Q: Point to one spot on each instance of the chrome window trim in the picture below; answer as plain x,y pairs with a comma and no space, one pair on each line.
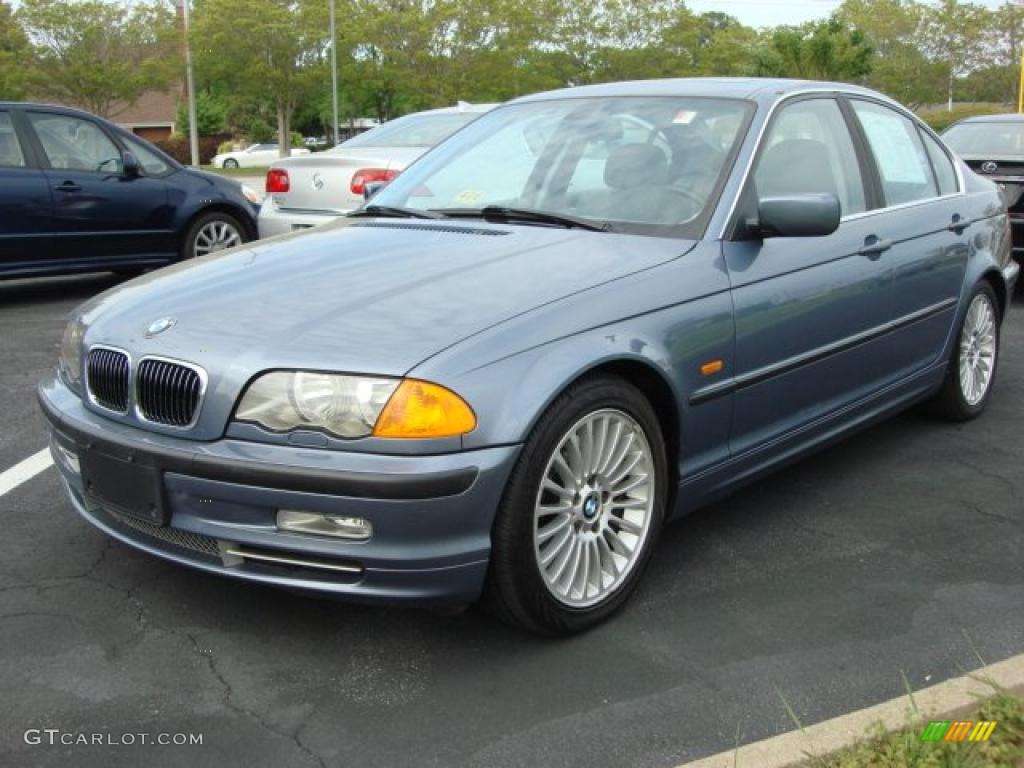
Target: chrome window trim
748,168
203,381
87,388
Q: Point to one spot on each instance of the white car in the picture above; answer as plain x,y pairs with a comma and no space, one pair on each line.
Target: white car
253,156
305,191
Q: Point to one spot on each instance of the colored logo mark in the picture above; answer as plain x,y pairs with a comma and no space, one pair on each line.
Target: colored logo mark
958,730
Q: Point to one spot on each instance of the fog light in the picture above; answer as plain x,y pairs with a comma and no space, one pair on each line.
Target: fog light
64,457
324,525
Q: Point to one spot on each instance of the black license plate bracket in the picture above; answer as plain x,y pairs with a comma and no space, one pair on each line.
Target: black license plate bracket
124,484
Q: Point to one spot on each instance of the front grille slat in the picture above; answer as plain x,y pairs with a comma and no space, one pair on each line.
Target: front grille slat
107,374
168,393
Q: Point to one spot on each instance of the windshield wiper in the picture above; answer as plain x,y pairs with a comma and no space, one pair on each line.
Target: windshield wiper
505,213
396,212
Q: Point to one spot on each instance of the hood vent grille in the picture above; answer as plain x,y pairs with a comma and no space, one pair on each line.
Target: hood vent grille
448,229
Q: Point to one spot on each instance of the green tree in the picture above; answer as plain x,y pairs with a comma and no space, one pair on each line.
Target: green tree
825,50
100,55
211,114
954,34
262,50
14,56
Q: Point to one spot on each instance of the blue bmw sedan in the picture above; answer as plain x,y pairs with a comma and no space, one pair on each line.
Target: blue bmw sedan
585,314
80,194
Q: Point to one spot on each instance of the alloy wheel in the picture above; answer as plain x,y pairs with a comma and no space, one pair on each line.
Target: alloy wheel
216,236
594,508
977,349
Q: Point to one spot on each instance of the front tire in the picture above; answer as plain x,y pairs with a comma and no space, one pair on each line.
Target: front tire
230,163
212,232
972,367
581,512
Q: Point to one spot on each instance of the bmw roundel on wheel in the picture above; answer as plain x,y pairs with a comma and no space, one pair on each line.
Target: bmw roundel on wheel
587,313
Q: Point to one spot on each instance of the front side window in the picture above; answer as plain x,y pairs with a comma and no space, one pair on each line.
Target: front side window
648,165
11,155
74,144
902,162
808,150
152,164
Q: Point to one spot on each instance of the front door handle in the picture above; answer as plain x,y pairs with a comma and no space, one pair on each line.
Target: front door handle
874,247
69,186
959,225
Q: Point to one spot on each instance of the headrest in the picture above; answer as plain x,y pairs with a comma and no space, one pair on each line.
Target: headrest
796,166
635,165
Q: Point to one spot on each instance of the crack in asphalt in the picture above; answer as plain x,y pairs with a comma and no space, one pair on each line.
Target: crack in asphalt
234,707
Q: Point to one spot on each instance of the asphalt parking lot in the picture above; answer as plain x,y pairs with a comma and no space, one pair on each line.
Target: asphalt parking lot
896,552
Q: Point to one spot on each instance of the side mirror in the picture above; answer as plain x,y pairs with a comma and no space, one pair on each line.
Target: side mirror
795,216
371,188
130,166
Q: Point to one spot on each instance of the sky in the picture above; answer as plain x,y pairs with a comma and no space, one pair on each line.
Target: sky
765,13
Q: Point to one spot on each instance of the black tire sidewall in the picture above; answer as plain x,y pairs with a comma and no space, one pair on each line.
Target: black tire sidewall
230,164
514,571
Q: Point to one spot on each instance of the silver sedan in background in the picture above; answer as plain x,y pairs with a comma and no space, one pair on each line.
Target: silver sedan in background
305,191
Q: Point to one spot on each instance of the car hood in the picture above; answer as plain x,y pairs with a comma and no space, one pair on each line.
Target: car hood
374,296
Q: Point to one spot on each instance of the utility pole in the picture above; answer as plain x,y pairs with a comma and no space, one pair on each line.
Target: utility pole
193,129
334,76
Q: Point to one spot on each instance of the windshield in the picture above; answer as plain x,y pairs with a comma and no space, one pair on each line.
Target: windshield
986,139
412,131
648,165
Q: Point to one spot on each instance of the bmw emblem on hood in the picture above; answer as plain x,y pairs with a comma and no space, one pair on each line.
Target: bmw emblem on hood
159,326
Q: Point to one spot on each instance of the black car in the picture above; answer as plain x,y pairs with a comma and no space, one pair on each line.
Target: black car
80,194
993,145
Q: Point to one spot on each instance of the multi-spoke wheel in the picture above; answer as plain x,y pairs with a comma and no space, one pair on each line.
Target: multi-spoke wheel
212,232
581,511
593,508
972,368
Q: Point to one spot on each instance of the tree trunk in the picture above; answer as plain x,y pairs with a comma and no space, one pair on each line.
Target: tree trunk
284,139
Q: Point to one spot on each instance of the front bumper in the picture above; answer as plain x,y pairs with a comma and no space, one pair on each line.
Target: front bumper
431,515
274,221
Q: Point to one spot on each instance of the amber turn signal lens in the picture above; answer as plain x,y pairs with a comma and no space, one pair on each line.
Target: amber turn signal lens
420,409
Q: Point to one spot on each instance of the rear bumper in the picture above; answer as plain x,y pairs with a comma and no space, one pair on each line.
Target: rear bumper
431,515
272,221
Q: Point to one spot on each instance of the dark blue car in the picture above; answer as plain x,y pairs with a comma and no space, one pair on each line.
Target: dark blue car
79,194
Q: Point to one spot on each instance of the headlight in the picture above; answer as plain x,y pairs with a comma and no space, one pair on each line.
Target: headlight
251,194
70,361
354,406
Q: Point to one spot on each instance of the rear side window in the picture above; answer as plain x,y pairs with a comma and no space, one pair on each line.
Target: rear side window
11,155
945,174
901,158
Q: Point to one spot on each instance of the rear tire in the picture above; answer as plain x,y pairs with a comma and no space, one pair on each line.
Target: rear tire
581,512
972,367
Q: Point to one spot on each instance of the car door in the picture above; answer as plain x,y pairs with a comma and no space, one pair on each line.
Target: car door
25,207
810,311
924,221
100,213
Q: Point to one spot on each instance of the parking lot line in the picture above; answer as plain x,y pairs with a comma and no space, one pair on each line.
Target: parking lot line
25,470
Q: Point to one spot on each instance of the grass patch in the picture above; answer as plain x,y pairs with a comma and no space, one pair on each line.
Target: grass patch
904,749
254,171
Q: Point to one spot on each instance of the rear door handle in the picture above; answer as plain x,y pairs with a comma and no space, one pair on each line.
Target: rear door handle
874,247
69,186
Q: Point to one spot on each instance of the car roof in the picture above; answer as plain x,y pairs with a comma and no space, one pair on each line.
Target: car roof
1008,117
759,88
54,107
